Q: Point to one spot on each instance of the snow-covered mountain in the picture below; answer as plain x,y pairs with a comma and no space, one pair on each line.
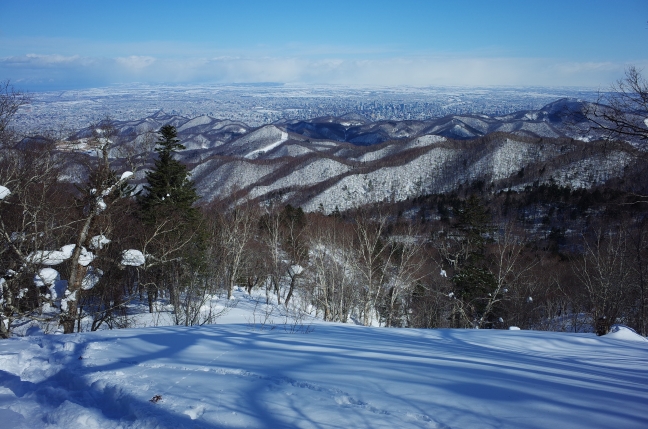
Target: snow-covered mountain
347,161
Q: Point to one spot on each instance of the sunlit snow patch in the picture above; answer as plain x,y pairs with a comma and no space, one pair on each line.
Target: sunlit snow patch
48,257
67,250
99,241
132,258
620,332
46,277
86,257
268,148
125,175
296,270
4,192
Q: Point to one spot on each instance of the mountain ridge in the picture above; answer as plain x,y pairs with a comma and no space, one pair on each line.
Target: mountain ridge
331,163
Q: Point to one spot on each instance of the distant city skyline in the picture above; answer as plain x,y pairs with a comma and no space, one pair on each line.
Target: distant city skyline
70,44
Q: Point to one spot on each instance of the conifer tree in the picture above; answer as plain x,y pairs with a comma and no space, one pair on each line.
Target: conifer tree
169,189
473,279
174,229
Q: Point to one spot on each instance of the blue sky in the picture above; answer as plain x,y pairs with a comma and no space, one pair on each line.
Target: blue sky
47,44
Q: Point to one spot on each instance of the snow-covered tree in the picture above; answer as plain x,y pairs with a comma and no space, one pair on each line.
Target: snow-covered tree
50,249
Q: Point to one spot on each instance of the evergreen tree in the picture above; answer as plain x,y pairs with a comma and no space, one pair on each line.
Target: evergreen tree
169,189
176,233
473,280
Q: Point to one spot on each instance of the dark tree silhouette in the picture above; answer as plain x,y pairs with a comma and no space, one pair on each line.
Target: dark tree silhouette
622,114
169,189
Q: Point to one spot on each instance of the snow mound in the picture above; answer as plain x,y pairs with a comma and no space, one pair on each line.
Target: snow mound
620,332
86,257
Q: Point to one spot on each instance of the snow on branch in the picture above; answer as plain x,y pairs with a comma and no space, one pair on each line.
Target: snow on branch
4,192
133,258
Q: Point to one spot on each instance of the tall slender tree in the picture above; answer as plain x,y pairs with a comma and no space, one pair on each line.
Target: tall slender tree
169,189
175,238
474,282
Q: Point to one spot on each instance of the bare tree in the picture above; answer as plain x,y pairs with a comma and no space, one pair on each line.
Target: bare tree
31,219
10,102
234,230
373,259
639,240
270,224
41,214
164,243
405,271
295,245
622,113
330,277
605,271
510,270
103,190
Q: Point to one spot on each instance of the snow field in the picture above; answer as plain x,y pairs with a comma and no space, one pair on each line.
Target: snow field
237,374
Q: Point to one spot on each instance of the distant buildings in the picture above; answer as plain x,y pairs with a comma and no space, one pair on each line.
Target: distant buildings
256,105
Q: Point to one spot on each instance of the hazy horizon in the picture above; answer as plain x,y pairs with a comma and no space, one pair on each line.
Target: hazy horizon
72,44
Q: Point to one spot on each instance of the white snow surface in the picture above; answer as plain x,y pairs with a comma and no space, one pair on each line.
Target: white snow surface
195,122
269,147
46,277
4,192
126,175
99,241
86,257
621,332
51,257
235,374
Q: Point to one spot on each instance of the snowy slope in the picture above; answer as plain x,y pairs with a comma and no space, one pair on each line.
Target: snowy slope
235,375
283,138
390,160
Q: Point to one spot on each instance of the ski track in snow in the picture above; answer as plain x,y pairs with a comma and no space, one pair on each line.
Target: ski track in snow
268,148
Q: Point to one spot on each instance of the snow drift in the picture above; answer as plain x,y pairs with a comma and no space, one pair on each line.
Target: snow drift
239,375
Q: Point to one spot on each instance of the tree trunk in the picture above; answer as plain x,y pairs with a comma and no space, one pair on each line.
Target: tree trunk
77,274
293,281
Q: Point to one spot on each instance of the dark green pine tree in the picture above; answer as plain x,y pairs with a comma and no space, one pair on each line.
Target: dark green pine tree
473,280
168,200
169,190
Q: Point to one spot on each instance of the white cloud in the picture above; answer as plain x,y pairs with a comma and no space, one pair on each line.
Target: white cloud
412,70
135,62
52,59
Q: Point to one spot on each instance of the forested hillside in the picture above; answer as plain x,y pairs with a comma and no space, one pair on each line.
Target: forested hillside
502,230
